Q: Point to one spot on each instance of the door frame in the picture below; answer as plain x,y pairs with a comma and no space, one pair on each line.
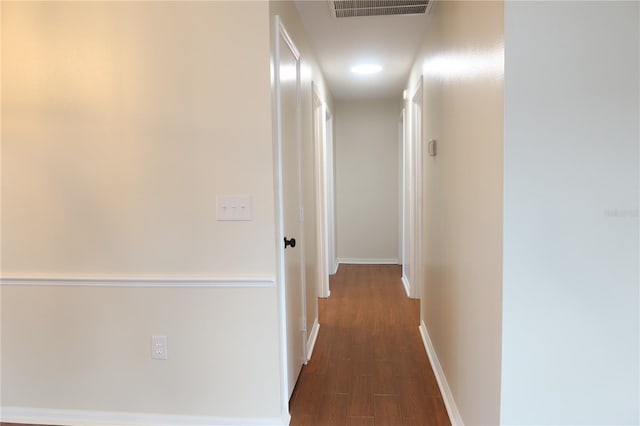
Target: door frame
416,214
412,193
401,193
407,262
321,189
331,193
280,33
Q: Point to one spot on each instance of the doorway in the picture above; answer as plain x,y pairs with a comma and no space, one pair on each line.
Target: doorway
415,236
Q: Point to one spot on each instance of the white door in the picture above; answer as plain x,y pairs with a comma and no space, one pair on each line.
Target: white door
416,277
288,98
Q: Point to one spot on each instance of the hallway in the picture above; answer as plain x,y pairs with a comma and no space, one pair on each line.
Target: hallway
369,366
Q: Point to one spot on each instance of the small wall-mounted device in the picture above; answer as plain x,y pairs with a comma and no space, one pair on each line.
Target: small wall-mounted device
159,347
431,148
233,208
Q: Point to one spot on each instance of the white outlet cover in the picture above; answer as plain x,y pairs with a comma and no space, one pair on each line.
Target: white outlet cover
159,347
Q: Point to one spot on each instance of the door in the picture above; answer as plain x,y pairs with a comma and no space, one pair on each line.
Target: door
288,99
416,277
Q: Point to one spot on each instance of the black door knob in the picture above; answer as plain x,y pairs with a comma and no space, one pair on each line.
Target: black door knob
289,243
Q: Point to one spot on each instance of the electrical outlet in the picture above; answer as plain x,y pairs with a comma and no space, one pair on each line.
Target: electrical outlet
159,347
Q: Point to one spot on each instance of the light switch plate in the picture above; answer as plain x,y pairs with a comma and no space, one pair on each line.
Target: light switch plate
233,208
431,148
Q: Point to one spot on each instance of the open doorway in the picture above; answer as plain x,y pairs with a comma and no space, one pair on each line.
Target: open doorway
324,190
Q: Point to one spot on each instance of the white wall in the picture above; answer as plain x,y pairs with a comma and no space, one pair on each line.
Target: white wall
121,122
366,152
88,349
461,64
570,342
129,128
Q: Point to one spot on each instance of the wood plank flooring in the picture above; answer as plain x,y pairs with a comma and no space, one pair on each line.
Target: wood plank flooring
369,366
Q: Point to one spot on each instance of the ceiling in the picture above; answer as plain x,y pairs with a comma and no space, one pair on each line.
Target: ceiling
340,43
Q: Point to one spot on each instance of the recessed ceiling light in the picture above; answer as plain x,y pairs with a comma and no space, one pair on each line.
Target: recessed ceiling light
366,69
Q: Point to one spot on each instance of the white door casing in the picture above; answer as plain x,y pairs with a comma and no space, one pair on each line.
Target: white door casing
321,170
401,188
406,267
331,194
412,262
417,276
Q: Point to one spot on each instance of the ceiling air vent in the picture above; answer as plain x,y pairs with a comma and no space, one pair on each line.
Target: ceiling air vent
353,8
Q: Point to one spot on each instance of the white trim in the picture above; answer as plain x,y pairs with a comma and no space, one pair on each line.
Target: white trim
331,192
285,416
447,396
313,336
287,39
407,286
406,196
320,184
357,261
257,281
401,186
95,418
335,269
417,189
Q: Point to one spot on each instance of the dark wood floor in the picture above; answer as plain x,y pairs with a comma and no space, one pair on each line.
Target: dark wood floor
369,366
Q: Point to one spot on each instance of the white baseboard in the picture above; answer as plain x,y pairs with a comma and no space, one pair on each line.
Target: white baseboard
313,336
285,417
373,261
334,268
100,418
447,396
405,283
322,296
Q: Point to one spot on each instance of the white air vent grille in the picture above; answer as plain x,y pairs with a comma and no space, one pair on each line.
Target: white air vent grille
353,8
